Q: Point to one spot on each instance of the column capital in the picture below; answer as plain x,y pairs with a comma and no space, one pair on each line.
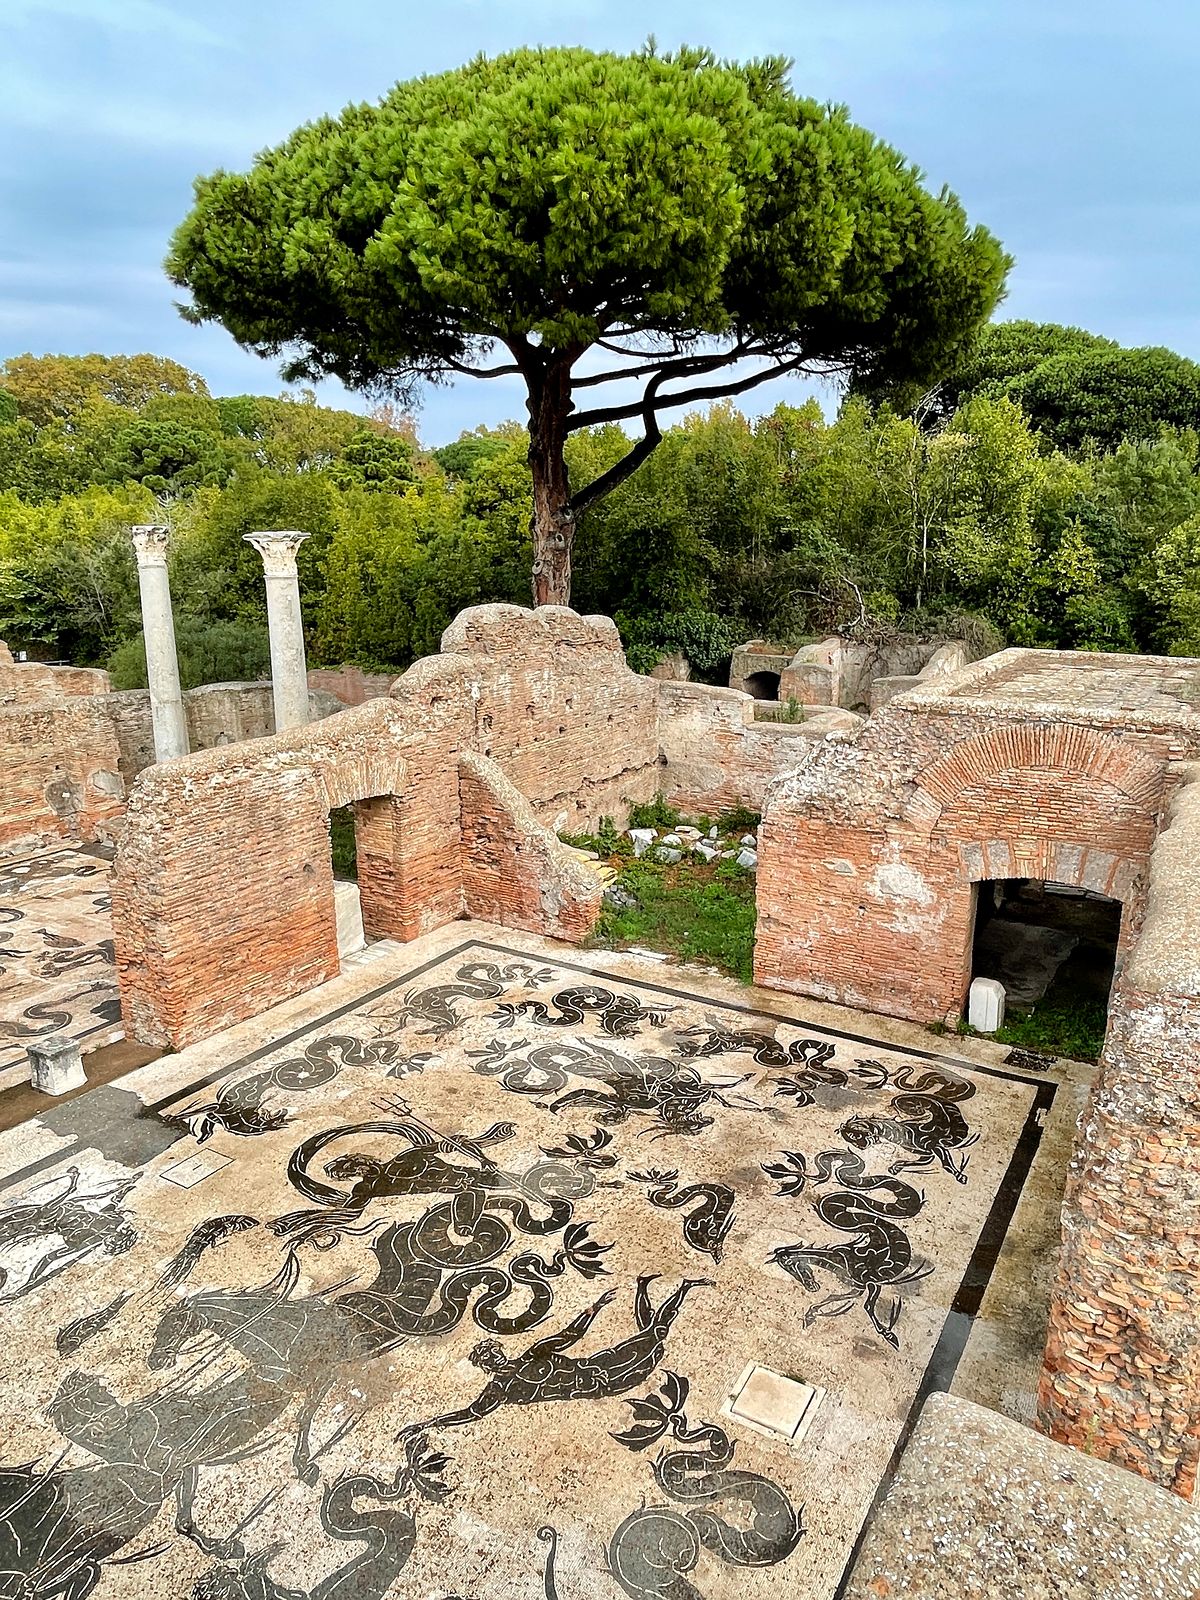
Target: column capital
278,551
150,543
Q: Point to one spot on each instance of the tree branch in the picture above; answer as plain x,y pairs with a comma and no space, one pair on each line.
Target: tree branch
713,391
630,461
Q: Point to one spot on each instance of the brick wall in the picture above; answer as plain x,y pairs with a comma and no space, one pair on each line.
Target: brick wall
559,710
869,853
59,774
544,699
32,682
515,872
217,713
351,685
1122,1368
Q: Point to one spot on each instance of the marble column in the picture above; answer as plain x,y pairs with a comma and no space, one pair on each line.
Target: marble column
289,670
167,715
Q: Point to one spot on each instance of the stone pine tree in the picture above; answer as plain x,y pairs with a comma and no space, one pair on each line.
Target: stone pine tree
575,220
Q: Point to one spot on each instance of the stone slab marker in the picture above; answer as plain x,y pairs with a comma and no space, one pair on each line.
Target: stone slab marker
56,1065
167,715
289,669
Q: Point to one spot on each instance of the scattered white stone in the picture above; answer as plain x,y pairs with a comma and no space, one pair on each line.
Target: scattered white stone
690,834
713,833
668,855
749,841
748,859
704,850
642,838
672,841
729,855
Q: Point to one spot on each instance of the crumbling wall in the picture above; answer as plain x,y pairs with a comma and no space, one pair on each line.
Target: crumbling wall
559,711
237,837
713,753
351,685
868,855
223,884
59,774
982,1508
1122,1368
516,872
217,713
33,682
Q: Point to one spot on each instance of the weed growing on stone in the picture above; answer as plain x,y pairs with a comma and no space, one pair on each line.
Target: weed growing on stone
654,813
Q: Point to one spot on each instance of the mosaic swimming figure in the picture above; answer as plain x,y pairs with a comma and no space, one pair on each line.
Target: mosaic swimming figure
544,1372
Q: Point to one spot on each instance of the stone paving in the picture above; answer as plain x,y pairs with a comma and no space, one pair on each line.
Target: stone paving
453,1279
56,958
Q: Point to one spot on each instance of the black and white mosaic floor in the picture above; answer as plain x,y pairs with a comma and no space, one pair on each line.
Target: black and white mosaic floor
56,955
453,1291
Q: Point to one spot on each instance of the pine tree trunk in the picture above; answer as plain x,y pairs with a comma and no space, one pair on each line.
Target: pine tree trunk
553,522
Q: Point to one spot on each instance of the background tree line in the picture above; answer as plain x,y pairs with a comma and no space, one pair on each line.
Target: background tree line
1046,493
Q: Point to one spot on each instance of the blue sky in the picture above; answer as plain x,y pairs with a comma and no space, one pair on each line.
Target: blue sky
1070,129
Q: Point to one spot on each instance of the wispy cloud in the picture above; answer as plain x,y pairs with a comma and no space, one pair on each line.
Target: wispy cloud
126,16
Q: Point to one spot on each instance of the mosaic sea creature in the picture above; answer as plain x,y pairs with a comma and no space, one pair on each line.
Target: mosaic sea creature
879,1255
656,1547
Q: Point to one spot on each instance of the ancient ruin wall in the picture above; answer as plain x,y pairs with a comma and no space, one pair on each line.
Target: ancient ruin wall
59,775
714,755
515,872
1122,1367
869,854
559,711
238,835
217,713
33,682
351,685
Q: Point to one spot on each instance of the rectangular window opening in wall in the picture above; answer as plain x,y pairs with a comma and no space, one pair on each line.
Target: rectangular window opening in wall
347,902
1053,947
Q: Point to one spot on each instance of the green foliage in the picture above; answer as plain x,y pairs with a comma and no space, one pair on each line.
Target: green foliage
654,813
1060,1025
706,639
372,460
214,652
534,205
343,843
1076,388
695,911
738,819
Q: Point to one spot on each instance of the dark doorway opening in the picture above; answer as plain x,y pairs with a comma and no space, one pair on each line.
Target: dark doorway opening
763,685
1054,948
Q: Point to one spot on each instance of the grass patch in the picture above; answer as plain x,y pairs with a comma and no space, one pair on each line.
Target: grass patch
1061,1025
696,911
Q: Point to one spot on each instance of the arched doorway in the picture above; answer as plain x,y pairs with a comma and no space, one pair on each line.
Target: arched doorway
1054,948
763,685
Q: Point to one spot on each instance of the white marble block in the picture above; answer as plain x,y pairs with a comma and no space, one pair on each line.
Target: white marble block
56,1065
985,1007
348,904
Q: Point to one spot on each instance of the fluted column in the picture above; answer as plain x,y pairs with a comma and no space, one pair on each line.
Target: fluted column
167,715
289,669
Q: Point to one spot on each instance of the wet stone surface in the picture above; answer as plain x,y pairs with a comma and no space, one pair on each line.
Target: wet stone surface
443,1291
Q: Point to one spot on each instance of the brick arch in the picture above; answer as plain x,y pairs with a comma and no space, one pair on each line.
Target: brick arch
366,777
1052,861
1099,758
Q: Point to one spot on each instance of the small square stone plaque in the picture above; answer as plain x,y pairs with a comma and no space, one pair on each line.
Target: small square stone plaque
772,1404
188,1173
